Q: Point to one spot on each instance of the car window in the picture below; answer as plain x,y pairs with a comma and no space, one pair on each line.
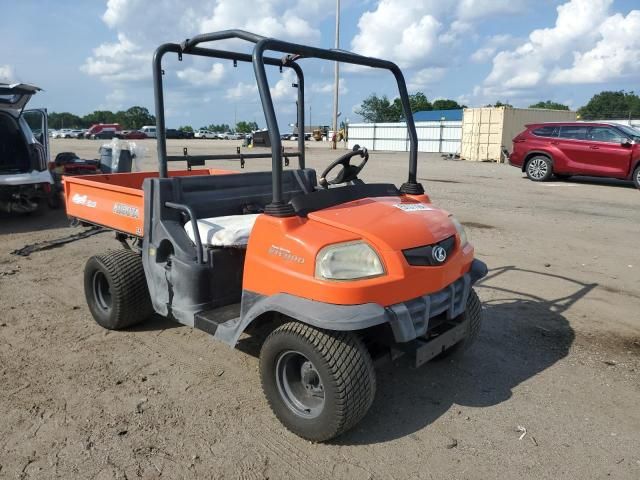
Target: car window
574,132
548,131
606,134
630,131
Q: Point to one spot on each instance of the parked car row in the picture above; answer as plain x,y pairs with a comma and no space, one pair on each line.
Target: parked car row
294,136
220,136
578,148
104,131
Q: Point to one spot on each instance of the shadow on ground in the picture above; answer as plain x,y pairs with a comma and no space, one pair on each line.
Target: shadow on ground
522,335
42,219
610,182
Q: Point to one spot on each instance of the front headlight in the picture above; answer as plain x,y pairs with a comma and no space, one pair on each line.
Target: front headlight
348,261
461,231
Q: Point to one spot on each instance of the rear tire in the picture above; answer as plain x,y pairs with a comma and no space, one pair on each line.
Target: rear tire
539,168
318,383
636,177
473,312
116,289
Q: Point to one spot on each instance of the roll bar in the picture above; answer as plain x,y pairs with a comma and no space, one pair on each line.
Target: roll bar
292,53
161,136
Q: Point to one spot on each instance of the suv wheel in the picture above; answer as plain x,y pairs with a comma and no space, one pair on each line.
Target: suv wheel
636,177
539,168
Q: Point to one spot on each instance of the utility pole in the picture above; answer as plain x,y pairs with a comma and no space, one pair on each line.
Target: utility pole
336,79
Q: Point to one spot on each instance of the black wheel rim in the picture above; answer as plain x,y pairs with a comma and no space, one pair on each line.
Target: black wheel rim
101,291
299,384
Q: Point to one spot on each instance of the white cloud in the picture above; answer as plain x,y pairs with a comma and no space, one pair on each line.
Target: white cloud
242,90
140,28
329,86
616,55
413,33
424,77
264,17
283,89
7,73
457,30
120,61
491,45
473,9
528,65
201,78
404,33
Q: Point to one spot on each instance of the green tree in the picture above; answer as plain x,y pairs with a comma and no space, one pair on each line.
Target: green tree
380,109
446,104
246,127
135,118
65,120
186,128
549,105
223,127
609,104
500,104
99,116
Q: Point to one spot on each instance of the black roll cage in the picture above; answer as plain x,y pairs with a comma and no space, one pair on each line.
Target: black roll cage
292,52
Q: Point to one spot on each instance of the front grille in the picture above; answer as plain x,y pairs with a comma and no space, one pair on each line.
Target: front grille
423,256
412,318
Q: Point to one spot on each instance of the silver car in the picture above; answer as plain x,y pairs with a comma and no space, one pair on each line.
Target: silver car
24,151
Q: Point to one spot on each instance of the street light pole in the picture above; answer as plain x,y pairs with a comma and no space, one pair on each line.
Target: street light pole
336,78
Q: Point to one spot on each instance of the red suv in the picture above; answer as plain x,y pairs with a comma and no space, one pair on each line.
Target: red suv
579,148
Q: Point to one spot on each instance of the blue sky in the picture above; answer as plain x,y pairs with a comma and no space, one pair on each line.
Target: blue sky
90,55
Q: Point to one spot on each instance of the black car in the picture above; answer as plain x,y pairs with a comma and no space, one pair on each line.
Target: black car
175,133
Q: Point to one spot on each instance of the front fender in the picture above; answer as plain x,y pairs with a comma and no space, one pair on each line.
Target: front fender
316,314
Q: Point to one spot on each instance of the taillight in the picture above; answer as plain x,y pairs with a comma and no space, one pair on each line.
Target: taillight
46,187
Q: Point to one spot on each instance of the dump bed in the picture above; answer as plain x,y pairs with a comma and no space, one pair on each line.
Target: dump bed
115,201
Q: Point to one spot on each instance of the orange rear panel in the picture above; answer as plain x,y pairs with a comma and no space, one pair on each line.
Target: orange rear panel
115,200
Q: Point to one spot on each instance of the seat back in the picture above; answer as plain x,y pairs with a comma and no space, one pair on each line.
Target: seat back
219,195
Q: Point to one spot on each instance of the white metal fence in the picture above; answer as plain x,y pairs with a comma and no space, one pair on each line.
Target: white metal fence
444,137
630,123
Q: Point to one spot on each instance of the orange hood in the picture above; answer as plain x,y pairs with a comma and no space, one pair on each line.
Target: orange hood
391,223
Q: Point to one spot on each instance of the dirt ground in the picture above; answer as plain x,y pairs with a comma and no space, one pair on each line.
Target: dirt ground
558,355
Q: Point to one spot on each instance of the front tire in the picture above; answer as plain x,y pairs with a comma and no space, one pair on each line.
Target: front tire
539,168
116,289
318,383
636,177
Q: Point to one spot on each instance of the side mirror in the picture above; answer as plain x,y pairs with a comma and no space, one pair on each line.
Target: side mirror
627,143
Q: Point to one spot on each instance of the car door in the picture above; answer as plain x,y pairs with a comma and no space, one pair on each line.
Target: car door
609,152
573,145
38,122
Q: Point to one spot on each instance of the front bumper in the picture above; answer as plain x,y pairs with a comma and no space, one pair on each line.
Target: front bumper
410,320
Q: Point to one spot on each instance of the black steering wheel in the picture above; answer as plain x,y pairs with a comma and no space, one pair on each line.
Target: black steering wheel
349,172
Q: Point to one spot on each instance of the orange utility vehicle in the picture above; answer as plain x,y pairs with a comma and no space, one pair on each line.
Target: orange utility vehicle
338,271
